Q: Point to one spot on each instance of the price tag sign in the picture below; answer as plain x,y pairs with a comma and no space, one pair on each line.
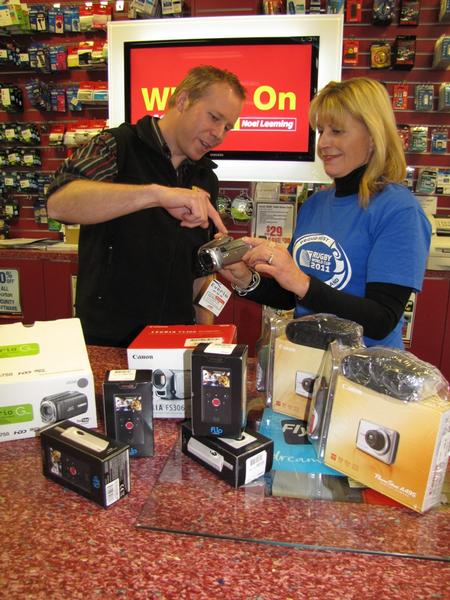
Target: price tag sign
9,291
274,221
215,297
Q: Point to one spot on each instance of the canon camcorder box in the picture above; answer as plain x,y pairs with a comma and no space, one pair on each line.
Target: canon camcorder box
166,350
298,356
395,447
45,377
294,373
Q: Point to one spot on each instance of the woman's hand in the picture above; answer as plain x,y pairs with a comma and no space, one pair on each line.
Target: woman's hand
238,274
273,260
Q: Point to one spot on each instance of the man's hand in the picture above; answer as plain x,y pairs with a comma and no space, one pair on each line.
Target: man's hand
192,208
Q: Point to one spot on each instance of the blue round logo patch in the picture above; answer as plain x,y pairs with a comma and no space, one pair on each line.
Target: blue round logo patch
321,255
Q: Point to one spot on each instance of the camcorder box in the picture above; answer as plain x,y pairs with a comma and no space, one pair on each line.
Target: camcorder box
295,369
86,462
298,355
166,350
236,461
395,447
128,409
219,390
45,377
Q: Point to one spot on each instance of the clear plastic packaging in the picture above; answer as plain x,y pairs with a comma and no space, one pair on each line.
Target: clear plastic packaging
320,329
396,373
273,324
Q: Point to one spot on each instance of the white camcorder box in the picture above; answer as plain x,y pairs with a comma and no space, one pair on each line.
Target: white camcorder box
166,350
45,377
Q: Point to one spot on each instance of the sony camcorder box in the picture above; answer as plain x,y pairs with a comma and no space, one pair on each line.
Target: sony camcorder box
166,350
86,462
45,377
395,447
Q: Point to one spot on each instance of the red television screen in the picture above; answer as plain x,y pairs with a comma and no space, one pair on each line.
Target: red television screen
279,74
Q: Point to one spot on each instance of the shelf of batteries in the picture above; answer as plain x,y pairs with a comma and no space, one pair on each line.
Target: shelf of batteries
398,54
20,18
55,57
50,96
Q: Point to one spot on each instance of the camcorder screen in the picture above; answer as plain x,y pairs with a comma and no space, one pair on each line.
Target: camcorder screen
128,403
216,378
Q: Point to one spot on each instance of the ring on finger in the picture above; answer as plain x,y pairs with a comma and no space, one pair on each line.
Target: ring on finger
270,259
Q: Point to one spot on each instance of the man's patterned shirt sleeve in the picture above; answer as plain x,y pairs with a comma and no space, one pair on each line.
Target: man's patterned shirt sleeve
95,160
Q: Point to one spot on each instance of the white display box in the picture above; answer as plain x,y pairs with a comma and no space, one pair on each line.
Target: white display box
45,377
166,350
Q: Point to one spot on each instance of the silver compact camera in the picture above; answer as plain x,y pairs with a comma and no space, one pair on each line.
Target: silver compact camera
220,252
378,441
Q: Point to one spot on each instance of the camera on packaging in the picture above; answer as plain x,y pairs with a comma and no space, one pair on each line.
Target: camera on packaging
218,253
304,383
62,406
171,384
378,441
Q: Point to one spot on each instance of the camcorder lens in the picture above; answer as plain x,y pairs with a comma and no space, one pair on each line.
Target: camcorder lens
159,380
377,440
206,261
48,411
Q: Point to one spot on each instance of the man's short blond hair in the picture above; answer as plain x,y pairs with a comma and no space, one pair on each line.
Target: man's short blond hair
201,78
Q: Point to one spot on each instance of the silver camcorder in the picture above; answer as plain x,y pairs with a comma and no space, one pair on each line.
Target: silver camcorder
218,253
172,384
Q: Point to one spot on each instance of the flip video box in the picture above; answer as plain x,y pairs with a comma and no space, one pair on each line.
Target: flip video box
86,462
128,408
397,448
166,350
45,377
236,461
219,394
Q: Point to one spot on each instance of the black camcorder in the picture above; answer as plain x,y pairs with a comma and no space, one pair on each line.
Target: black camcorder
59,407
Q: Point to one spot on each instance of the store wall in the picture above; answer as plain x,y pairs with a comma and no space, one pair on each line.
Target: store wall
26,224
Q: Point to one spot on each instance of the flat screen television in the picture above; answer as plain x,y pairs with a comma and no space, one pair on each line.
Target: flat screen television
282,60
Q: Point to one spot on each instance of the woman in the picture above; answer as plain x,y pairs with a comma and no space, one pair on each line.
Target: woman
360,247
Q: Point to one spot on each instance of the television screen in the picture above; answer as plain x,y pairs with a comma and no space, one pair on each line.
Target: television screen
281,60
273,123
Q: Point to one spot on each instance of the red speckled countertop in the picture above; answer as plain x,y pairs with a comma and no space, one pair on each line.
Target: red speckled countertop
57,545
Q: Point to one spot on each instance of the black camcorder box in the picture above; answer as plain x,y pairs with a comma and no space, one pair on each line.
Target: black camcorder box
128,408
238,462
86,462
219,394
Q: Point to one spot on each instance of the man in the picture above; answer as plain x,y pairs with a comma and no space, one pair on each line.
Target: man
145,197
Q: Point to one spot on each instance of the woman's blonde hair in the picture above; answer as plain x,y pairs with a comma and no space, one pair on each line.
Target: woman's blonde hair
367,101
